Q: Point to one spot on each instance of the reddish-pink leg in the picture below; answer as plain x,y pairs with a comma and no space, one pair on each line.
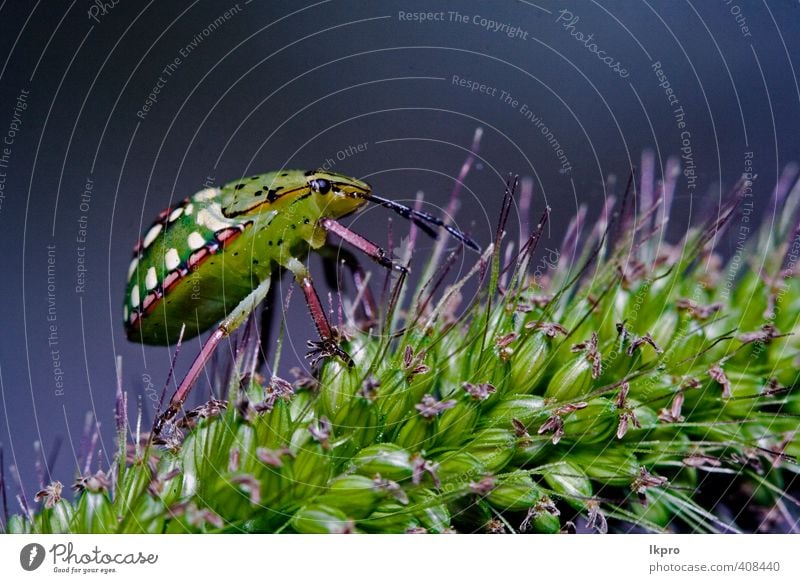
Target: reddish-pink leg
368,247
225,328
327,345
334,255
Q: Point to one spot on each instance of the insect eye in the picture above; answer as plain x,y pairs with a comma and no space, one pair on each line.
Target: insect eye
321,186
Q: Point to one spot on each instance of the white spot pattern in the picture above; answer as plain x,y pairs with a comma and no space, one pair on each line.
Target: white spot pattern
151,235
132,267
211,218
174,215
195,241
206,194
135,297
172,259
151,279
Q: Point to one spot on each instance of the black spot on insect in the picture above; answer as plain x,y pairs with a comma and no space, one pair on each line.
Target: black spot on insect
280,242
285,174
239,186
254,178
309,173
258,193
255,261
272,196
320,185
269,243
236,254
293,226
306,221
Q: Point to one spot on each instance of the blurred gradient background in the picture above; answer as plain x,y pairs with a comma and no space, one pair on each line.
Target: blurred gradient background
372,89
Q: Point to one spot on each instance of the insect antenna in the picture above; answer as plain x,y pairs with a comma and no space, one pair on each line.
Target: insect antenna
421,219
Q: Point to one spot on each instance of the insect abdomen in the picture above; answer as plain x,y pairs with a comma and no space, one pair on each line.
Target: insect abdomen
179,274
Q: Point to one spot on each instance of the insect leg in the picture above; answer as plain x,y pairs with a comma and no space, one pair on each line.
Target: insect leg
225,328
327,345
332,256
267,317
368,247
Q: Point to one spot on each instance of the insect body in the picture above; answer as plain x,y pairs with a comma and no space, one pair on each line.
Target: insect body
201,258
211,258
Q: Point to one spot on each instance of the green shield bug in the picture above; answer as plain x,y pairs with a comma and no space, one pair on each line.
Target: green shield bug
209,260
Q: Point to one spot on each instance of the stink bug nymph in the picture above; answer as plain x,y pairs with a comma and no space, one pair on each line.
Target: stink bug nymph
210,259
